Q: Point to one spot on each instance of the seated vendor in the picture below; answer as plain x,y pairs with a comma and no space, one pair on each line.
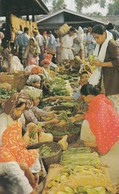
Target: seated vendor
83,79
46,69
15,159
34,81
100,129
33,113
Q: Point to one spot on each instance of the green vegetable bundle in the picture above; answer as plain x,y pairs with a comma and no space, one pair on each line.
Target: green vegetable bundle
79,157
5,94
45,151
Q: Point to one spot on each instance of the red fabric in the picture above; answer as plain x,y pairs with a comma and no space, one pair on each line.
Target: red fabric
13,147
45,61
49,57
104,122
36,70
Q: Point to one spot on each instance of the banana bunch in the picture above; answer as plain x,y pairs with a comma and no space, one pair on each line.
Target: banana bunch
92,59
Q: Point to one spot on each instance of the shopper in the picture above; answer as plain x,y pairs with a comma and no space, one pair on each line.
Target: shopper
106,62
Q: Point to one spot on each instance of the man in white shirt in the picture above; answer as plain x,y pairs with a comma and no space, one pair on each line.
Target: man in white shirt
66,46
40,40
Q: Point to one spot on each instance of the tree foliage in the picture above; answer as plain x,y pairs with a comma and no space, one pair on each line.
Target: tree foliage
58,4
113,9
86,3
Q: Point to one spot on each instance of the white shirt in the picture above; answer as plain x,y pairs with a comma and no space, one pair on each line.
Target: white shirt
67,41
40,40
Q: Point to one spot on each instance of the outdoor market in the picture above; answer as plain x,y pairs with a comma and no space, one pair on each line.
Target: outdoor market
59,101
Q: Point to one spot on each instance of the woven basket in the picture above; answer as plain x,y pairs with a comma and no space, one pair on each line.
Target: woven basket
54,158
20,80
7,78
64,29
17,80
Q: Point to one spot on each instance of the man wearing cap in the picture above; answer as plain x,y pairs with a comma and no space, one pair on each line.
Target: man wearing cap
40,40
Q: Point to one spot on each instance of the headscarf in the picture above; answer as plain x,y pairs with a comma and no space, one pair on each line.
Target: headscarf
80,34
33,48
49,57
45,61
33,79
36,70
15,100
104,122
31,92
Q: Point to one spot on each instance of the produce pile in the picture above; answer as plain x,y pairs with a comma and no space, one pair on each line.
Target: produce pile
5,94
79,156
45,151
82,180
79,173
60,87
64,127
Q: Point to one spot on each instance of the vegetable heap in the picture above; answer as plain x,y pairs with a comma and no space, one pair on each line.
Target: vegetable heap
80,173
5,94
60,87
45,151
64,127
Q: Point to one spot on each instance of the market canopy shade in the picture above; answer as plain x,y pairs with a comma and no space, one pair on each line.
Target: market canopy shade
22,7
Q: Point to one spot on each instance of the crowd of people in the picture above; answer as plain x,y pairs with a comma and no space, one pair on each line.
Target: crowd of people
93,52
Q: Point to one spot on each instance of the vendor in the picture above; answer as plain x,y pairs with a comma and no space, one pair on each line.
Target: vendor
83,79
46,69
101,128
31,53
14,157
34,81
33,114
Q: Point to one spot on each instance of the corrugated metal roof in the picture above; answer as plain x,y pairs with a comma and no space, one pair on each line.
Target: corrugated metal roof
22,7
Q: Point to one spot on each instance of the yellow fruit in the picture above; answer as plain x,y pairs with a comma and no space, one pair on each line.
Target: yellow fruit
61,192
64,142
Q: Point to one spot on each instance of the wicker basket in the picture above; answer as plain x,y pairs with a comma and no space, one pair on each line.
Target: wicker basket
7,78
64,29
16,80
54,158
20,80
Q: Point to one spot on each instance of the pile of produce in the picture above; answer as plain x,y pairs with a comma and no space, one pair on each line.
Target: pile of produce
64,127
79,173
64,105
79,156
5,94
45,151
81,180
60,87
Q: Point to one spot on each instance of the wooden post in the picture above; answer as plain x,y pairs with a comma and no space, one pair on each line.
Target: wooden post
33,18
